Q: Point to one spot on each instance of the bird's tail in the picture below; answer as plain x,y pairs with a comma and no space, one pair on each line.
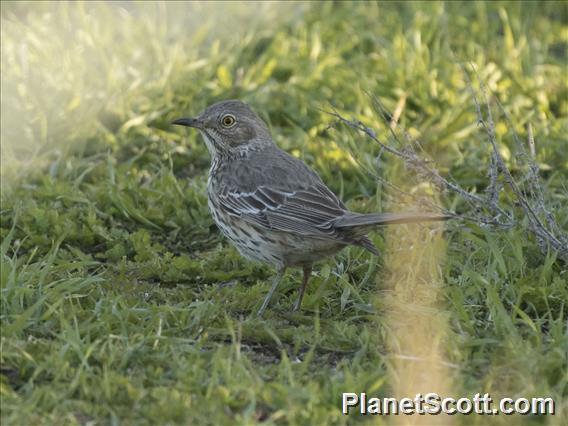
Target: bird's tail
356,220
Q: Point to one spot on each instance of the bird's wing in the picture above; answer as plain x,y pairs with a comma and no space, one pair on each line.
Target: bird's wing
307,211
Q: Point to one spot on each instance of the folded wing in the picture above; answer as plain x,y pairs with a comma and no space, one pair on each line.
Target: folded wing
310,211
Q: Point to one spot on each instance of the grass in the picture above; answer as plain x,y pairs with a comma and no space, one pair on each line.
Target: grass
121,302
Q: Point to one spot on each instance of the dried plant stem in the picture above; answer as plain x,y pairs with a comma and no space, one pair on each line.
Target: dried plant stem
487,208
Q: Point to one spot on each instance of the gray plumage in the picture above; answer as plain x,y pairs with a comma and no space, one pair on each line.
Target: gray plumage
271,205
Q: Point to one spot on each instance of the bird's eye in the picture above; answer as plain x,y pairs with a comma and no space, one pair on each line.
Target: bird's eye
228,120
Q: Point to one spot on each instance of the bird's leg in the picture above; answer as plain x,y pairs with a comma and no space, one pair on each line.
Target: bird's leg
307,273
275,281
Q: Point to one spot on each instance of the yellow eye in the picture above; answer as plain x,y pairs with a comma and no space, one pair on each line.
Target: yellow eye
228,120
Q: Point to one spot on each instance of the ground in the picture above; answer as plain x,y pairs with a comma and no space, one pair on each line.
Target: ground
122,303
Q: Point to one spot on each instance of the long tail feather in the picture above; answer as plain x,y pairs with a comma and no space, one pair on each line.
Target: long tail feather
351,220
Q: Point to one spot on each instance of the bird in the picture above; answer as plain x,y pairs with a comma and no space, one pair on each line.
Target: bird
271,205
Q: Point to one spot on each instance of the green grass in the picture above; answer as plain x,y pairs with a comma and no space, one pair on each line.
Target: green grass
121,302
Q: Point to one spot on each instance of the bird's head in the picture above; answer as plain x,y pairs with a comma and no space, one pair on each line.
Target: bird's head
229,126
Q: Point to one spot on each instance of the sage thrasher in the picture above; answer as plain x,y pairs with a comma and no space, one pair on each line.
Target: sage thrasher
273,207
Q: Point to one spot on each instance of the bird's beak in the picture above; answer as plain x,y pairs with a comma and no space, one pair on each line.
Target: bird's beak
189,122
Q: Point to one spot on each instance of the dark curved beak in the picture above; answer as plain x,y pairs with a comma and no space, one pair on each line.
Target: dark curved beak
188,122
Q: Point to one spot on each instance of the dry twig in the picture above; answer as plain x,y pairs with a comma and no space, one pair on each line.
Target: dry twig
487,208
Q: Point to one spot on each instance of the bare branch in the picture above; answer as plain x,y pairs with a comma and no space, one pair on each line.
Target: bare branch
487,208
